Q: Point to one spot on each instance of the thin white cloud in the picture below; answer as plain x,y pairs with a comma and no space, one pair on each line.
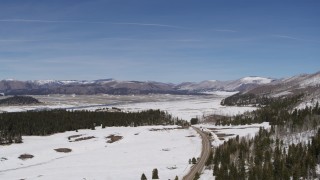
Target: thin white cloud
146,24
19,40
293,38
159,40
31,40
286,37
89,22
225,30
31,21
108,38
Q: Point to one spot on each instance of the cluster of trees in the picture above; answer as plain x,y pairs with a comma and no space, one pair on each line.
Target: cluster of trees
277,112
262,157
193,161
194,121
14,125
19,100
245,100
270,154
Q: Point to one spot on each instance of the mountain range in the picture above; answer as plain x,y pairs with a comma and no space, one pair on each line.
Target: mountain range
308,83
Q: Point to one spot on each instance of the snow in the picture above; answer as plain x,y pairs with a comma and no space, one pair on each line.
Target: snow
127,158
312,81
221,93
284,93
66,82
183,107
220,134
223,85
138,152
33,107
43,82
62,82
228,132
303,80
207,175
189,108
309,103
203,85
256,80
9,80
298,137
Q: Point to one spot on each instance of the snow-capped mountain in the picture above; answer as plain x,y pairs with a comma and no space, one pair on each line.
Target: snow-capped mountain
243,84
307,83
105,86
68,82
303,80
256,80
202,86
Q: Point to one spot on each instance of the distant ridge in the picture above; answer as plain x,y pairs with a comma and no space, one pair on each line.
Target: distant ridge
307,85
243,84
252,84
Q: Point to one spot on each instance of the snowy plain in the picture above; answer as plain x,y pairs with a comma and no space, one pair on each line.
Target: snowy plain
140,150
183,107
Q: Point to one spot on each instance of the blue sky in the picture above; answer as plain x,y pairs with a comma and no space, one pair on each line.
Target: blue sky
160,40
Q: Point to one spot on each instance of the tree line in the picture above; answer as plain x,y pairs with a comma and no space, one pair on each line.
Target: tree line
276,112
16,124
246,99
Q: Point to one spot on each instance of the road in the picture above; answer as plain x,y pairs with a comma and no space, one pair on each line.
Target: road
206,148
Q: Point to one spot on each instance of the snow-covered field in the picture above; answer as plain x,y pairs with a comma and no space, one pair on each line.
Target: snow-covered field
221,134
207,175
189,108
140,151
184,107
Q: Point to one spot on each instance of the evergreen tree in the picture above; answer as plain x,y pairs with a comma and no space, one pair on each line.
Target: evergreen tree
194,121
16,124
210,159
143,177
176,178
197,176
267,156
155,174
194,161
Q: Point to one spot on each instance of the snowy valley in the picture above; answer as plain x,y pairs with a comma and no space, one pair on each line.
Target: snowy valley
285,120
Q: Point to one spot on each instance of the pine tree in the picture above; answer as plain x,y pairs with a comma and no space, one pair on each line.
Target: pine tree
197,176
155,174
176,178
210,159
143,177
194,161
